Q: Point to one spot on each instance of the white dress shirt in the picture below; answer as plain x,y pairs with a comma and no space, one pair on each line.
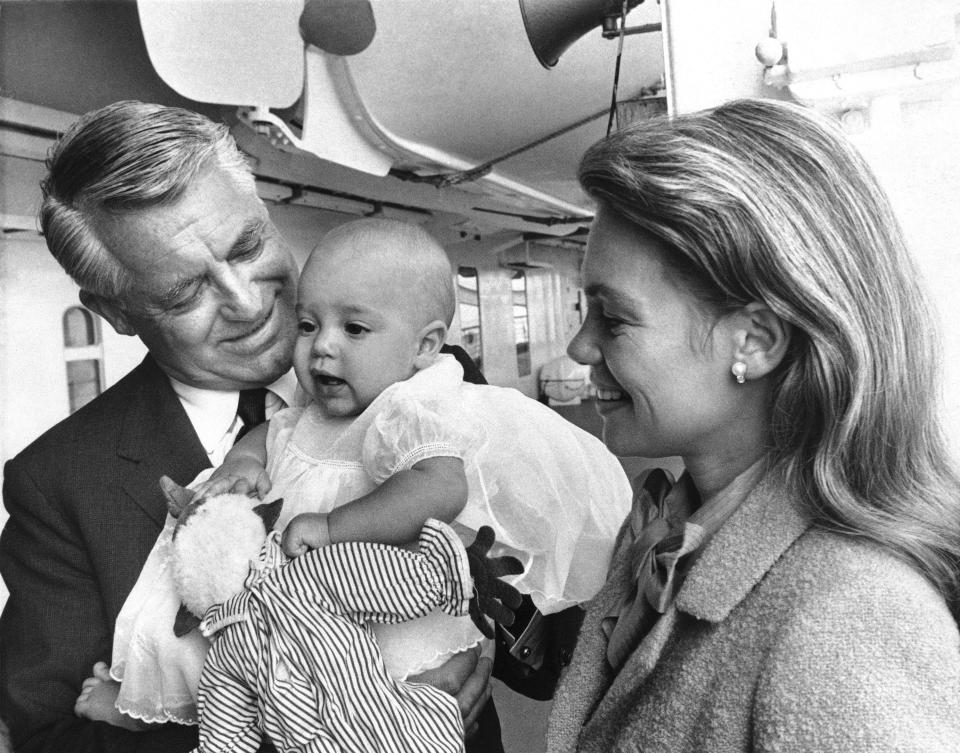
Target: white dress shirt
213,413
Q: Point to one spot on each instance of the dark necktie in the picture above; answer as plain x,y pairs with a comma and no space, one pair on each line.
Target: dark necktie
251,409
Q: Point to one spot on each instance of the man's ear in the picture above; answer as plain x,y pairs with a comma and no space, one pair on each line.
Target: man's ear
761,339
430,338
110,310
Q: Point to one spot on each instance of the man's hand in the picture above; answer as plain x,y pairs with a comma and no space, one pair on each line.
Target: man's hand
465,676
242,475
492,597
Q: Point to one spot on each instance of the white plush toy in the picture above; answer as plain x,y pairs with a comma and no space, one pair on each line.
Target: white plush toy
215,543
292,656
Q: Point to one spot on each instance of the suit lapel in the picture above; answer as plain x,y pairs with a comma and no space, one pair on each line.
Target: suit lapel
157,438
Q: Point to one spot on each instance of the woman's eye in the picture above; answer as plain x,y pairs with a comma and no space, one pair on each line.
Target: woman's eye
354,329
611,323
305,327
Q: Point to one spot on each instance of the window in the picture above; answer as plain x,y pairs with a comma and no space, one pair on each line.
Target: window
521,322
468,302
83,352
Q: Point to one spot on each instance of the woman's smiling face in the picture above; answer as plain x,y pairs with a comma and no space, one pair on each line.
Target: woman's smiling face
660,365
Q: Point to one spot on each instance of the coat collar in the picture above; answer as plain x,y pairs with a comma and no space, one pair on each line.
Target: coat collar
735,559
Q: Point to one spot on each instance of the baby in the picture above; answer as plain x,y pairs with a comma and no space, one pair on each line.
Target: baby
393,436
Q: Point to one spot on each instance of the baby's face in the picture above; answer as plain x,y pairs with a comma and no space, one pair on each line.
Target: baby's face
357,332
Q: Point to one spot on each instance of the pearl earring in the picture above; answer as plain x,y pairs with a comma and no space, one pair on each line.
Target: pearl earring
740,371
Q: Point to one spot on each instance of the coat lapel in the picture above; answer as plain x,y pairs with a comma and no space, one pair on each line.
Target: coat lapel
609,712
742,551
588,676
157,438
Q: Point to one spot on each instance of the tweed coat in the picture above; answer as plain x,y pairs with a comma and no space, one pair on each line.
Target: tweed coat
782,638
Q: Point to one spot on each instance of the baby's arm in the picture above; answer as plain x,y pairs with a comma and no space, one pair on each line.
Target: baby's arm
243,469
393,513
98,701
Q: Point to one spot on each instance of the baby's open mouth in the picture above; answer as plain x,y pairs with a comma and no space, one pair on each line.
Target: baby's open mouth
329,381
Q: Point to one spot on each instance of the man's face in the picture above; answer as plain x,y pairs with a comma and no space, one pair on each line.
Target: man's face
214,285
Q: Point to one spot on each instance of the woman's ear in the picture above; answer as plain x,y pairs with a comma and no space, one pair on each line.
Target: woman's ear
761,339
430,339
110,310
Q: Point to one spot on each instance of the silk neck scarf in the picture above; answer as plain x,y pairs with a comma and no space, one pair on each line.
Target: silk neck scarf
666,528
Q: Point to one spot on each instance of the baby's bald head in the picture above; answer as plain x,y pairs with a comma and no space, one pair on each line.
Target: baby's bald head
408,258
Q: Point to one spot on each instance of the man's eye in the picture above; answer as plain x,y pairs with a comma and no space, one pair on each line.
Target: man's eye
184,298
249,251
354,329
305,327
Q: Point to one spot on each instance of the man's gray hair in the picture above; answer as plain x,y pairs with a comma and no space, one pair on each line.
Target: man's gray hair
125,156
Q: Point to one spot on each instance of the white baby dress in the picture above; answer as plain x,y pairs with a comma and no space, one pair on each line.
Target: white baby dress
553,494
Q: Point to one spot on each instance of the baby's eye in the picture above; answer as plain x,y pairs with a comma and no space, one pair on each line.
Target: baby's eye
354,329
306,327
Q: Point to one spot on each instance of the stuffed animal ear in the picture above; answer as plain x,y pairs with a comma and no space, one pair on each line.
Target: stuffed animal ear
269,513
178,497
185,622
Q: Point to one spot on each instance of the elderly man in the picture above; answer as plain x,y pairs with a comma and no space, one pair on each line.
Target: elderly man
153,212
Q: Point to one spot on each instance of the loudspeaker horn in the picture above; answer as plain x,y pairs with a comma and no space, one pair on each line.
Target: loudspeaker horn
553,25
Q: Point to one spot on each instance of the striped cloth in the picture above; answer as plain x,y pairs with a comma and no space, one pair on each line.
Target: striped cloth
293,658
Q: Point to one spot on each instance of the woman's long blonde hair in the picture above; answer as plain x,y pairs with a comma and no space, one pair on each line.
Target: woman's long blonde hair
767,201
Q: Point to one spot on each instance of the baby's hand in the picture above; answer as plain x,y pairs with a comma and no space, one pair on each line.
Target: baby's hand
306,531
239,476
98,701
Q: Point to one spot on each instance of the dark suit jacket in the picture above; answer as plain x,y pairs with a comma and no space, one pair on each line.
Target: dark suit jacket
85,510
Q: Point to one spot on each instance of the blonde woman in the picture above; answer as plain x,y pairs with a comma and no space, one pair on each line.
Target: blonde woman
753,309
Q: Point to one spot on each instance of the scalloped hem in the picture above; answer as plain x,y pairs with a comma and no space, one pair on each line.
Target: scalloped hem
148,718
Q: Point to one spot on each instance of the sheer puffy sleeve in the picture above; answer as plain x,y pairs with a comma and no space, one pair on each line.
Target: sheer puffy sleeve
410,429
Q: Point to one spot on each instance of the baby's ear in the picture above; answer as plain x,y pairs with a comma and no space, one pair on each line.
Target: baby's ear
430,339
185,622
178,497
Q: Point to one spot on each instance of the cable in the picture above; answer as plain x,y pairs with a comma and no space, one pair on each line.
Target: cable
442,180
616,72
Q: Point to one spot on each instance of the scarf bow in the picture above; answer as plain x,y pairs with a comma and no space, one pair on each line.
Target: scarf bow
659,535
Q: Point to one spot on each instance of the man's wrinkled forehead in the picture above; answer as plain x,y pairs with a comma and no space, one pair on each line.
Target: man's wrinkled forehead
195,212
